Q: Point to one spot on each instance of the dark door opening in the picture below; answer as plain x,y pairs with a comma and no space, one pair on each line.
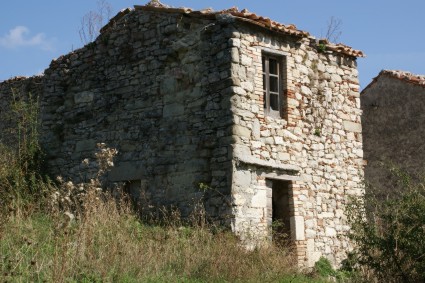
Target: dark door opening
281,210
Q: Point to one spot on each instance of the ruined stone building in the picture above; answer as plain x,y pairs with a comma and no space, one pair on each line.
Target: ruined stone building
262,113
393,127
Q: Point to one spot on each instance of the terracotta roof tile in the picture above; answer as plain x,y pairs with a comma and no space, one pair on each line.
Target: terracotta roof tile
399,75
405,76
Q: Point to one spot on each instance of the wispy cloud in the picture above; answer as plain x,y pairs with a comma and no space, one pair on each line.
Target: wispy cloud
20,36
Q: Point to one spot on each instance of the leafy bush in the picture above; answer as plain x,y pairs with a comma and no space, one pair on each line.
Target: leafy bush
323,267
389,235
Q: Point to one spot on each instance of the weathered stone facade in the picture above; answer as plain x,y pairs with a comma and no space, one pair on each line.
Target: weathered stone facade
393,114
180,94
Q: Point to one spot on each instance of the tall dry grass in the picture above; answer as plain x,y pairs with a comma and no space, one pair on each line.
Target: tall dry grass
110,244
66,232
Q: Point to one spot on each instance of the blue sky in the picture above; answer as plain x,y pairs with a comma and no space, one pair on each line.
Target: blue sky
390,32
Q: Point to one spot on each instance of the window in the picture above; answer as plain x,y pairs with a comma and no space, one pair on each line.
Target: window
272,86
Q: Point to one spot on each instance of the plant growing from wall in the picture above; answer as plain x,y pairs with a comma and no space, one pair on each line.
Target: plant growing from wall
321,47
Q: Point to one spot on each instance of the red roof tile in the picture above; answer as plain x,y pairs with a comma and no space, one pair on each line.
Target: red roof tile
399,75
405,76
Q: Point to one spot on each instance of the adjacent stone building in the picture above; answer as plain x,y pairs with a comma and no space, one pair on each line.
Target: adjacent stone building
262,113
393,115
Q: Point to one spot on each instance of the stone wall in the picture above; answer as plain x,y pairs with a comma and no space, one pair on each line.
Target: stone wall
12,92
180,96
317,147
393,119
155,86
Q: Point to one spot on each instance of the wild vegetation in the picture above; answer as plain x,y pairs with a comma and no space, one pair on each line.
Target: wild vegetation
60,231
389,232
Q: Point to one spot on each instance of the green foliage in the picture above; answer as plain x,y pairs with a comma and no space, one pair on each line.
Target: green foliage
324,267
321,47
389,233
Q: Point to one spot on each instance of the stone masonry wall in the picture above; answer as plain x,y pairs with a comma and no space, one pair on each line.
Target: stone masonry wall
181,98
318,147
11,93
157,87
393,120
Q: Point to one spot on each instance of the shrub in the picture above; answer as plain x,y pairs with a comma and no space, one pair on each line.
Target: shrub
389,235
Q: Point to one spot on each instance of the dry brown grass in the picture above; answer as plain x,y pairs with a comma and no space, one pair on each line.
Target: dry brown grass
109,243
77,233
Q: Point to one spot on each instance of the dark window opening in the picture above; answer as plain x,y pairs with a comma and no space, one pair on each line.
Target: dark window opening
272,86
281,211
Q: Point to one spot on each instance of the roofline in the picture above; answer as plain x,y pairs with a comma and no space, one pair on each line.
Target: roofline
403,76
244,16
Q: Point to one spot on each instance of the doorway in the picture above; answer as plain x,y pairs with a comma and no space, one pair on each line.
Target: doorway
281,212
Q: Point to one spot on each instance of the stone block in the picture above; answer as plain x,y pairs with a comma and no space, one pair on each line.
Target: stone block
330,232
168,85
306,91
242,178
336,78
309,233
241,151
278,140
238,199
256,129
248,86
246,60
235,42
85,145
126,171
259,199
283,156
297,228
235,55
352,127
312,258
83,97
241,131
173,110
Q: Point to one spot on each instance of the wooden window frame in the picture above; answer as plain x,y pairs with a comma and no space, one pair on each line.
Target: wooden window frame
267,92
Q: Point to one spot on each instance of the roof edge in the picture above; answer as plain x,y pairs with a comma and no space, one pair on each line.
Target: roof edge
403,76
251,18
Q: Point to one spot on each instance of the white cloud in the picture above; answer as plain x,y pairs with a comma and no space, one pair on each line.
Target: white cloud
20,36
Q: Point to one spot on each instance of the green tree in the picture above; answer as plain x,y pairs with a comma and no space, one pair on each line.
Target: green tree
389,234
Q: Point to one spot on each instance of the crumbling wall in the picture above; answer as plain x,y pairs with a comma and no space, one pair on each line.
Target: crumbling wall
316,145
